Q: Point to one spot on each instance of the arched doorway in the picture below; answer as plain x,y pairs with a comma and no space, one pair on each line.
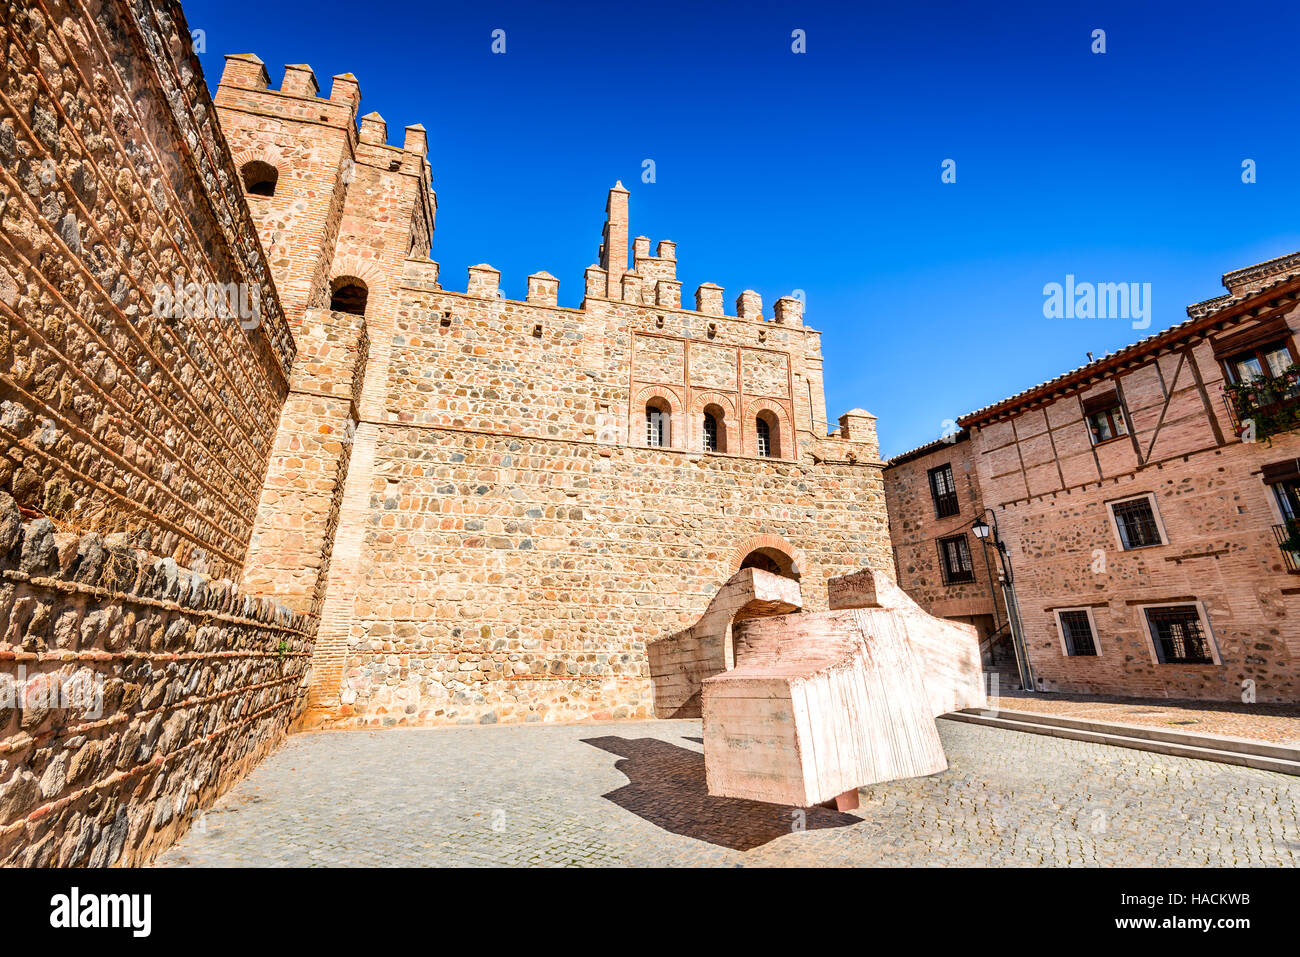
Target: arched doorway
772,560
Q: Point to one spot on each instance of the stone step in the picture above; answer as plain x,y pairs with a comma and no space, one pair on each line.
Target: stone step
1262,755
1221,742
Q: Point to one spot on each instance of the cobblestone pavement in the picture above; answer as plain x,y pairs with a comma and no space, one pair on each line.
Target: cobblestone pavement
633,794
1266,722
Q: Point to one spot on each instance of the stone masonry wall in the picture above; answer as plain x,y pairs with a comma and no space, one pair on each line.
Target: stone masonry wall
114,180
519,579
518,545
290,553
132,694
134,443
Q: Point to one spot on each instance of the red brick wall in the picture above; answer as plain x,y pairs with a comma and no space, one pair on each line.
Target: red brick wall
915,529
1050,485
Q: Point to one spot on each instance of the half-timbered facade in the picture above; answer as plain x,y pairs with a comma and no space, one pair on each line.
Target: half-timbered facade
1148,502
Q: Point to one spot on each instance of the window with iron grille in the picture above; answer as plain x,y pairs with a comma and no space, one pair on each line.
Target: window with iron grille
944,491
1178,636
1076,628
955,556
1136,521
656,427
710,432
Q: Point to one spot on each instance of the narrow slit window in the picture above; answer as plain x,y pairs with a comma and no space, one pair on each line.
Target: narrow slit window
710,432
656,426
764,434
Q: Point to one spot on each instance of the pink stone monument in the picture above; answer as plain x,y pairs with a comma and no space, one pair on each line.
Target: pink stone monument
804,708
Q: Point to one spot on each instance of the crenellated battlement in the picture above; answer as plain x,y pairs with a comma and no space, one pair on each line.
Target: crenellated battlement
247,72
246,83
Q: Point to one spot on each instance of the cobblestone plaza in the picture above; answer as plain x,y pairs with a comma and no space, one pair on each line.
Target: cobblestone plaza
633,794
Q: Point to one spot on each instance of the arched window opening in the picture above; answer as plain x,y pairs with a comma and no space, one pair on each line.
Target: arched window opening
710,432
259,178
771,560
656,424
714,438
349,295
764,430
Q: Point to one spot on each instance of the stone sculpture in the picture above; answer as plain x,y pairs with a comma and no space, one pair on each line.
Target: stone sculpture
804,708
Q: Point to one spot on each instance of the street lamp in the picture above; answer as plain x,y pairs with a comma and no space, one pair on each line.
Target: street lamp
982,529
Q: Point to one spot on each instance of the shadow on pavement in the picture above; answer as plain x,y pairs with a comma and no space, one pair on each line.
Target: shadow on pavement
666,787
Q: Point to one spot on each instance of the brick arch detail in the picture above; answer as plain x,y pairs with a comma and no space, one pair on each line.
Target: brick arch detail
769,541
367,272
701,399
269,154
676,416
785,437
731,429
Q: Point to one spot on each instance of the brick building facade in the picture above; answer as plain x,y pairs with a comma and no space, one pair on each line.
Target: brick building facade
933,497
1142,499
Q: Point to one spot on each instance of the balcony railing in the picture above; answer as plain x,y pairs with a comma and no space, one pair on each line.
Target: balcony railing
1266,405
1288,540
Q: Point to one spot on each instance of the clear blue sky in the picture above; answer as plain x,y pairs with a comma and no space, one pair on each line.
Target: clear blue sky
821,171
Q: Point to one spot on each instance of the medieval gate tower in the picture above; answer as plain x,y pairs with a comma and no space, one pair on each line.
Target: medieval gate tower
490,505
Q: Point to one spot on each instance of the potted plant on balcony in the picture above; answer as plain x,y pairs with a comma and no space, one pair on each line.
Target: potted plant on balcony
1290,540
1271,403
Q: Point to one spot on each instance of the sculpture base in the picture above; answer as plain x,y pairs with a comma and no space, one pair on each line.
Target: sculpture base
848,801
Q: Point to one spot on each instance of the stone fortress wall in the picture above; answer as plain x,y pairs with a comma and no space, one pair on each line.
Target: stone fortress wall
137,680
373,501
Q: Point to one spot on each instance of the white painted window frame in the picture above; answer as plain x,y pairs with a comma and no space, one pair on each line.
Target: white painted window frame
1155,510
1060,631
1151,638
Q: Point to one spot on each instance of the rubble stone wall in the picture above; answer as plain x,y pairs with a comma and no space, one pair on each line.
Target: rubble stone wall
132,694
137,681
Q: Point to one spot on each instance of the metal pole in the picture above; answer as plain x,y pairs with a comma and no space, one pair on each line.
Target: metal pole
1017,634
1014,624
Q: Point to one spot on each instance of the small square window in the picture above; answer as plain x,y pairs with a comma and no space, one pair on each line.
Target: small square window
954,555
1106,424
1179,635
1135,520
1076,633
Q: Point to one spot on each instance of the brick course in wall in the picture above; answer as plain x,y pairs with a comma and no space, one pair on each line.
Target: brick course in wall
132,694
115,179
137,680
